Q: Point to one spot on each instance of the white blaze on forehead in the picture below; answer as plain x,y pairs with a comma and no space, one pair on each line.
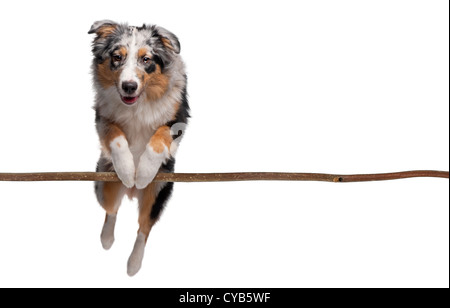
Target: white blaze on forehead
129,69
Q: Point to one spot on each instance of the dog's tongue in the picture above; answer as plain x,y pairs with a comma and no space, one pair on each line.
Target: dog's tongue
129,100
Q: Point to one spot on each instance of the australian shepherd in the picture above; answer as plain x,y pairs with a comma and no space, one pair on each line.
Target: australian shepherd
141,110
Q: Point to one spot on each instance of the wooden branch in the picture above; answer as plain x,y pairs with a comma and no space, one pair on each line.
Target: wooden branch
224,177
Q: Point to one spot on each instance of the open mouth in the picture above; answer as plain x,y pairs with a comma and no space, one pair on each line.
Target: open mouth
129,100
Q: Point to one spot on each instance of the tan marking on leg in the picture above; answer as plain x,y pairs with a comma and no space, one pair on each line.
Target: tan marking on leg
161,139
112,133
111,193
146,201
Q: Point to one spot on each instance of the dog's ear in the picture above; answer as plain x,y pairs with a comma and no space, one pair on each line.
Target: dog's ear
168,39
103,28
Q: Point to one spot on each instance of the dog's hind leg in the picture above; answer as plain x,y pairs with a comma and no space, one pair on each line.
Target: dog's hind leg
151,203
110,195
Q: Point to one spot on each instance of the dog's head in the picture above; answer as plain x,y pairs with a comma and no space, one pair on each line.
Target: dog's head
134,60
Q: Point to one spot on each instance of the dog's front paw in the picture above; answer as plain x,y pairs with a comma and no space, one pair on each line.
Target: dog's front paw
123,162
149,164
125,170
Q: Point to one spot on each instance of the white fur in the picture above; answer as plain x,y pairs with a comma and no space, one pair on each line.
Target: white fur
174,130
107,235
135,260
123,161
129,69
149,164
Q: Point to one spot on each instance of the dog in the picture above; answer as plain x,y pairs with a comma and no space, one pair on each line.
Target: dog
141,110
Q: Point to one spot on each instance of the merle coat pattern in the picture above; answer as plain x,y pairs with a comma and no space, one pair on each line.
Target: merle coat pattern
141,109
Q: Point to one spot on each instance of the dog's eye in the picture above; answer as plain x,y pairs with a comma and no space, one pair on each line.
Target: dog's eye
146,60
117,58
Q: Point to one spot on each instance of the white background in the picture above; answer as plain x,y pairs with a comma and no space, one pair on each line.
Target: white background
296,86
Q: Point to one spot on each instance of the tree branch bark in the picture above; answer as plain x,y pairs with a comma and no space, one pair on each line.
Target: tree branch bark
225,177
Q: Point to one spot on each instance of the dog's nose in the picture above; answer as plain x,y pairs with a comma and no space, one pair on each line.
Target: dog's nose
129,87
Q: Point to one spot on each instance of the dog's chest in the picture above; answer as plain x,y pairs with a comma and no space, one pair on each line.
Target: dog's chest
138,136
140,123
